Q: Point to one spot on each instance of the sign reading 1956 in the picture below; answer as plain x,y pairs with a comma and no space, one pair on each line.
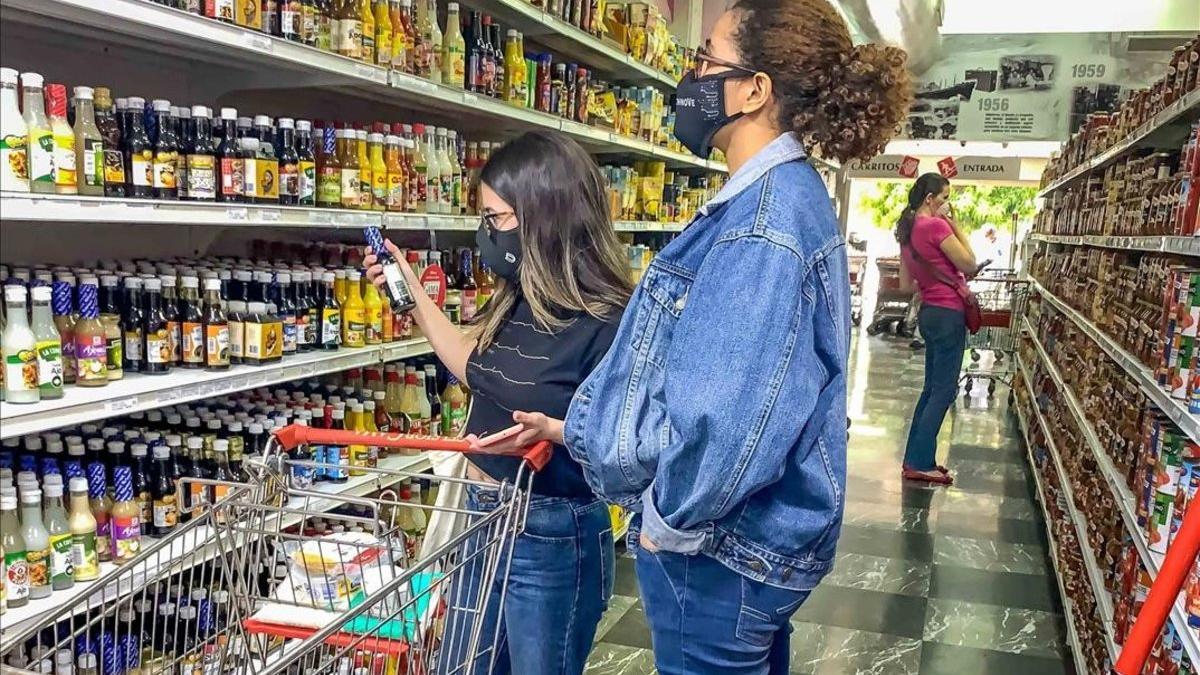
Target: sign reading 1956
994,104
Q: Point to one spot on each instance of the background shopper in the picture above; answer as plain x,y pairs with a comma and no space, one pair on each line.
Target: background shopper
934,253
561,287
720,410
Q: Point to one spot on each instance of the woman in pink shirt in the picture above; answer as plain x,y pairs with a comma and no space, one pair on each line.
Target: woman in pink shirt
935,254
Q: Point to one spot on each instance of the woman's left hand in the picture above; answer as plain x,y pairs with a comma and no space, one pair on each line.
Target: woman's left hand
535,427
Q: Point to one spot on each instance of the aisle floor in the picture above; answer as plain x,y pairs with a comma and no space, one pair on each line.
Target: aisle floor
928,581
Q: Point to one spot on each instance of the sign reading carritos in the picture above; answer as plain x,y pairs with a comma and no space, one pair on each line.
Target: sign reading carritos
886,166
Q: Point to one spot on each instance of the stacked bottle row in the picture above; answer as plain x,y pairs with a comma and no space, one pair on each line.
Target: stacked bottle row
124,476
647,191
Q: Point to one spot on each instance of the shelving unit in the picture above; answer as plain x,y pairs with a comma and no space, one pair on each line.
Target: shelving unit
144,392
1094,576
1154,244
1068,605
1181,111
1124,498
1175,409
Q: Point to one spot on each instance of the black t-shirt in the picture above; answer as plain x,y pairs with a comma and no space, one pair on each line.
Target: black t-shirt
531,368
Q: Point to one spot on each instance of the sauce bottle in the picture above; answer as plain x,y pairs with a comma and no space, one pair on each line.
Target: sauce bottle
37,543
366,15
166,152
454,408
458,200
133,323
20,351
170,309
185,135
289,163
62,571
365,194
329,335
88,145
139,155
433,42
165,510
64,321
229,160
266,165
307,318
156,331
353,313
329,170
237,331
250,172
13,544
348,160
91,339
191,318
445,172
139,465
397,181
39,139
454,49
254,335
291,20
113,167
126,517
349,28
400,297
379,172
14,153
373,308
286,311
383,33
515,86
306,165
84,558
272,333
201,158
49,346
216,328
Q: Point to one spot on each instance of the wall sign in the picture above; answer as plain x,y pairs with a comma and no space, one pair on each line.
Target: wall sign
886,166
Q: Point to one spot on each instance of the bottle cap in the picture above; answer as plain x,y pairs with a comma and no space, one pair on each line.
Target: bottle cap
195,443
133,283
8,76
138,449
14,293
40,293
212,284
135,102
453,7
31,80
78,484
283,278
249,144
262,121
303,125
191,282
374,138
83,93
154,284
285,123
221,445
258,307
53,489
161,105
199,111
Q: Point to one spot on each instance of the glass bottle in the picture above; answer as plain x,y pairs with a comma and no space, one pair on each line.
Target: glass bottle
306,165
139,154
373,307
286,311
329,169
266,162
349,28
366,14
62,572
101,507
139,463
113,167
37,543
20,351
379,172
229,160
165,510
476,51
454,408
14,153
353,313
91,339
330,331
39,139
458,201
435,403
445,173
49,345
216,328
366,196
289,163
170,309
433,171
133,326
423,66
166,153
201,158
89,145
433,41
397,181
236,315
338,455
191,319
84,556
156,331
64,321
13,545
348,161
454,49
66,179
126,517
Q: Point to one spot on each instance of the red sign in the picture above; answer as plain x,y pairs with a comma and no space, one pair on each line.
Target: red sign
433,280
909,166
947,167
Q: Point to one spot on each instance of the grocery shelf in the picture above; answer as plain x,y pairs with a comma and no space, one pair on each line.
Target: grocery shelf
253,54
1094,576
179,552
1124,497
137,392
1175,409
1067,603
1156,244
1182,110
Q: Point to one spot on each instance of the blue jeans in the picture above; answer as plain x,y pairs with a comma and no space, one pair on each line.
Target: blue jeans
945,334
706,619
559,583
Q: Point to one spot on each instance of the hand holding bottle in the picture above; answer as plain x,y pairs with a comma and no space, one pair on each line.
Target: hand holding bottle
375,269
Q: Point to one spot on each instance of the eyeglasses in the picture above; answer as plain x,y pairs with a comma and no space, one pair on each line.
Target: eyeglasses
704,61
490,219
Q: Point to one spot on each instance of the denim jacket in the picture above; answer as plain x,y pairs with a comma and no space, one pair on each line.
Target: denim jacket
719,411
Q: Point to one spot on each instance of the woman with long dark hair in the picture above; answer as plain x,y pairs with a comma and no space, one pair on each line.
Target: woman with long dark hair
562,283
936,255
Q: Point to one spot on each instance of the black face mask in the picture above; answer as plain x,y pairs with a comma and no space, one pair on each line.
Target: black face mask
500,250
700,110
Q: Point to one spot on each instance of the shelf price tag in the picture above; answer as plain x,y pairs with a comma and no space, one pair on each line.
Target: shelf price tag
237,214
269,215
257,41
121,405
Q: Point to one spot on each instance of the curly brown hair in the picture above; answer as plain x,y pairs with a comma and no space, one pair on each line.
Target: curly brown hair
844,101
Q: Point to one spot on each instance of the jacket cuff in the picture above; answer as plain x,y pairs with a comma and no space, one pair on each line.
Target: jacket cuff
665,537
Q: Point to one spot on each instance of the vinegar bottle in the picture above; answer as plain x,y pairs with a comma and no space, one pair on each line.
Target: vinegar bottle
20,351
88,145
49,346
37,543
14,151
39,139
62,572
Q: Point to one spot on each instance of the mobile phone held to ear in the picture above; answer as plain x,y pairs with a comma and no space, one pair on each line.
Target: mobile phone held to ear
492,439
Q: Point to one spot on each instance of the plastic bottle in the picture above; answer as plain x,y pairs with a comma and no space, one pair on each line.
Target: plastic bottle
353,313
19,350
366,196
379,172
37,543
88,146
126,517
62,568
14,153
15,566
84,557
373,306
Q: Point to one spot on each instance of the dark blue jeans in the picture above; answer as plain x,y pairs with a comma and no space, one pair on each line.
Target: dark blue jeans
945,334
706,619
559,583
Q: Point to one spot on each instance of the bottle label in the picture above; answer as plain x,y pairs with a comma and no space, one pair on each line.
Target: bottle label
38,567
164,170
395,191
14,167
349,38
146,504
133,345
223,10
331,326
329,186
216,345
84,556
354,328
21,371
41,156
374,326
289,180
126,535
175,338
233,180
253,341
114,167
67,349
91,357
456,191
307,188
266,179
273,340
433,190
64,160
166,515
193,342
349,188
62,566
17,572
303,329
141,168
302,477
237,335
250,177
158,346
454,418
365,194
290,338
447,191
114,348
199,496
469,305
93,162
289,21
49,365
202,177
103,534
379,187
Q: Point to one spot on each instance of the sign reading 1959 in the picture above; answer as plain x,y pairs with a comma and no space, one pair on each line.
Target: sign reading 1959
1088,71
994,104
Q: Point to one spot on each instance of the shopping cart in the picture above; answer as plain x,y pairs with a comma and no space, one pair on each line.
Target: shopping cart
857,265
1002,296
891,302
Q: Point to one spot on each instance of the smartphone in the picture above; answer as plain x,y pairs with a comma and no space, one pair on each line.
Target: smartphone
492,439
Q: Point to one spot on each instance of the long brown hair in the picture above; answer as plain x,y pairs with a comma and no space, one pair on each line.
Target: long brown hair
571,259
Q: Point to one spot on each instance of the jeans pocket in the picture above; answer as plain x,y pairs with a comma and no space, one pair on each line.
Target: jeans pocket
607,566
764,611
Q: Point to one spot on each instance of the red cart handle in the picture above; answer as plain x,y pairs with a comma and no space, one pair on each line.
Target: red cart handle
537,455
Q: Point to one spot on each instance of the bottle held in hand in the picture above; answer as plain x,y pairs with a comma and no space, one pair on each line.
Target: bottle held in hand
399,294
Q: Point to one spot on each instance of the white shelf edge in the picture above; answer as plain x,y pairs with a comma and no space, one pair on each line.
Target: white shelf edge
1092,570
145,392
1174,409
1125,499
1163,118
1178,245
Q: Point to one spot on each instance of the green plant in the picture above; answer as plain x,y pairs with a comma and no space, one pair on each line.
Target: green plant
976,206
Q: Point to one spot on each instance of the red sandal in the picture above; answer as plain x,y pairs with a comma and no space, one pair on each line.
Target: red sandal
934,475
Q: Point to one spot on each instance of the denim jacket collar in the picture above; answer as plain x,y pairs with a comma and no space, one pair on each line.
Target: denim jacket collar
785,148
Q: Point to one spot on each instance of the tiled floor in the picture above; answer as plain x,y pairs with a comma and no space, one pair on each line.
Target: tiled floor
928,581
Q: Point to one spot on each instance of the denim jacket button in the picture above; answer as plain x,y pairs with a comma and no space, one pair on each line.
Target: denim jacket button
756,566
787,574
680,303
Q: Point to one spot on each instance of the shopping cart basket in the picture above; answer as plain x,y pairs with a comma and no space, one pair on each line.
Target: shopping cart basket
856,266
1002,296
366,597
891,303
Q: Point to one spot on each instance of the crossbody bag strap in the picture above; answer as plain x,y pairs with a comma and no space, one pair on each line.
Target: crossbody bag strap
935,272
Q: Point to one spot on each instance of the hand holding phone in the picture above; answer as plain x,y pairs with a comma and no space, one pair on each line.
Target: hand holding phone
492,439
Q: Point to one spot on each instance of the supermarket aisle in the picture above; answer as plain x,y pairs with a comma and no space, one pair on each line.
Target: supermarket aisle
928,581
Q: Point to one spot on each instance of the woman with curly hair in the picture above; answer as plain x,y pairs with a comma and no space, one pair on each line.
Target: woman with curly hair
719,412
